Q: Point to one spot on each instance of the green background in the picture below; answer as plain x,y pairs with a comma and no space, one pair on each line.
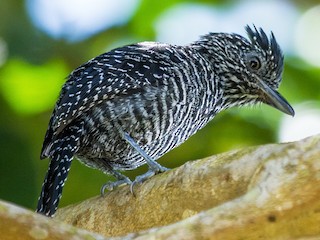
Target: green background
36,66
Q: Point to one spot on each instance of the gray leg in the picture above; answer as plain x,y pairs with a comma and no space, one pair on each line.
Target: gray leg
121,180
154,167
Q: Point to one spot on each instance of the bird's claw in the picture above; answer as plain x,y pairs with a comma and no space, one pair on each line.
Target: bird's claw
112,185
142,178
161,169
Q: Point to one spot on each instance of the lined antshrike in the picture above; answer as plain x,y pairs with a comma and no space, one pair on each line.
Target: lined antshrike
130,106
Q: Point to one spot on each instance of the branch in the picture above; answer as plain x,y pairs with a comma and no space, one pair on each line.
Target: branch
264,192
19,223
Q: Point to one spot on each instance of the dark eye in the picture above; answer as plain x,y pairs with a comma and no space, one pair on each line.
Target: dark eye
254,63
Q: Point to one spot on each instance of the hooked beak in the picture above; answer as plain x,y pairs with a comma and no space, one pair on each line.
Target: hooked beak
274,99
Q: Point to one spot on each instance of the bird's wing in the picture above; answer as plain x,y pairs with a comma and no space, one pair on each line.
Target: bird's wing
123,71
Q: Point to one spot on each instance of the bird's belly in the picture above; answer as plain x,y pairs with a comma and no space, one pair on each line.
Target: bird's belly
105,147
156,129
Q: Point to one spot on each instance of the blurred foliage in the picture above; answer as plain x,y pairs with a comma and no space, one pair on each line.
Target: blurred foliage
24,88
35,68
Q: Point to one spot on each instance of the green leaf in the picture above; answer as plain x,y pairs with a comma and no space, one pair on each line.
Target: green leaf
30,89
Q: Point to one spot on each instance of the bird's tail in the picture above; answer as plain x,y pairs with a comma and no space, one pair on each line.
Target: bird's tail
53,184
61,154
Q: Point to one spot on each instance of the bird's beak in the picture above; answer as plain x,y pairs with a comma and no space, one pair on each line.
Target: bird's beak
274,99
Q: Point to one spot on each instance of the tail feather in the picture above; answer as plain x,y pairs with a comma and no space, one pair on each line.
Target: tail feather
53,183
61,154
47,143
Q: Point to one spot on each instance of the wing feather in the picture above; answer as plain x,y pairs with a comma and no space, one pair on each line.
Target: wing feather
123,71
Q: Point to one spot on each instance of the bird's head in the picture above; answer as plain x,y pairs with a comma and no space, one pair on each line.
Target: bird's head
250,69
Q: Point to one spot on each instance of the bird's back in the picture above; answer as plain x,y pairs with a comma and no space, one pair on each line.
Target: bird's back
158,94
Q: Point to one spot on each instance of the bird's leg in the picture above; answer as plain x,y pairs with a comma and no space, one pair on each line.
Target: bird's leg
121,180
154,167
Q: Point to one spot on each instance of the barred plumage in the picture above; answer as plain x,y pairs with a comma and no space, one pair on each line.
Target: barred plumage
130,106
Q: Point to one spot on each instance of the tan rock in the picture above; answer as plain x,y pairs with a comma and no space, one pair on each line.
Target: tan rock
17,223
266,192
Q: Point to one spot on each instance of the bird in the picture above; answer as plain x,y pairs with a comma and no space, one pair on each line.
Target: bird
131,105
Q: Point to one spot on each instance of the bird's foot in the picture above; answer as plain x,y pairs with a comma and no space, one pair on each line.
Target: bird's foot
150,173
112,185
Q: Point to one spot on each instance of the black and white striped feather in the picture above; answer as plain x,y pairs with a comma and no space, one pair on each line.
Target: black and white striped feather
159,94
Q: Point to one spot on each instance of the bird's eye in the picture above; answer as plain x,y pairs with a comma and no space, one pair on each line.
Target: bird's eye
254,63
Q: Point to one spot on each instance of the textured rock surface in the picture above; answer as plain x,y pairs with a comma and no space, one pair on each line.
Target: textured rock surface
264,192
17,223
